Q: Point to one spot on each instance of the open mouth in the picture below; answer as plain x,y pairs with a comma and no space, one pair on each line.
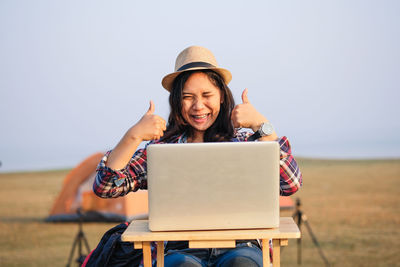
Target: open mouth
200,118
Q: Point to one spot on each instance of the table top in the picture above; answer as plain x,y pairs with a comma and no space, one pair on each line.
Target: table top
138,231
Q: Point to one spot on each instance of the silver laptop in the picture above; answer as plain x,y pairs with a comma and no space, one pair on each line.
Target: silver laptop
204,186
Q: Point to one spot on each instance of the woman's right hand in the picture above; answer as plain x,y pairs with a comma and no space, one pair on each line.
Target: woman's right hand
149,127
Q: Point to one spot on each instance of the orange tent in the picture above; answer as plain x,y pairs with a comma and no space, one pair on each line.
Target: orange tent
286,203
77,193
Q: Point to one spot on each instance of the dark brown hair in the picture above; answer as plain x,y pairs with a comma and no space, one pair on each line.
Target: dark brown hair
221,130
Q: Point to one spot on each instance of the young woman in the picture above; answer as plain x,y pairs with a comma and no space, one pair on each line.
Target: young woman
202,110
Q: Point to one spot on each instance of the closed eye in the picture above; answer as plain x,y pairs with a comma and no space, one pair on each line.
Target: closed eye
208,94
187,96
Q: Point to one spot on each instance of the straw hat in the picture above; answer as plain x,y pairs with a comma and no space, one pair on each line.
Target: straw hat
195,58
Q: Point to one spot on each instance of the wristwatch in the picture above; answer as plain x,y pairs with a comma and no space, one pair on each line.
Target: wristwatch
266,129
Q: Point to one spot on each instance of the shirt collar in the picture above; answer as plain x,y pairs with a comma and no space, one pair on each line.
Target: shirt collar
182,138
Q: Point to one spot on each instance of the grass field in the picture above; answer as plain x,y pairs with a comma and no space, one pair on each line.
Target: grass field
352,207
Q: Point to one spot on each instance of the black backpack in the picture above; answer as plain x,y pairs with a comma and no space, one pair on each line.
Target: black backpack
111,251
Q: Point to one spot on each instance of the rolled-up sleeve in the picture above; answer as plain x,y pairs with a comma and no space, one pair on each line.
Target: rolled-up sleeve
290,175
110,183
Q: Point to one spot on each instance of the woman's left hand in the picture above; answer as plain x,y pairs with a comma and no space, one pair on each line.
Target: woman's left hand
246,116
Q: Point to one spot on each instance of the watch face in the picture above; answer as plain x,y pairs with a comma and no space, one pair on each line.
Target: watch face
267,128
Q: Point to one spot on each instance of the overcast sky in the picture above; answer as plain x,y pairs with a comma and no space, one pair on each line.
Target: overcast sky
75,75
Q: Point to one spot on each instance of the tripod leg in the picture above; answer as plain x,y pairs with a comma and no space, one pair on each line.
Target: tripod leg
86,242
82,239
72,251
298,215
78,240
80,246
315,241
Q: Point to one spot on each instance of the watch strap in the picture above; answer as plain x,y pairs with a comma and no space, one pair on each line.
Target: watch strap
254,136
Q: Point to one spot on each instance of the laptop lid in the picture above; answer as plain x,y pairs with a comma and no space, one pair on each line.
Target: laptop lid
199,186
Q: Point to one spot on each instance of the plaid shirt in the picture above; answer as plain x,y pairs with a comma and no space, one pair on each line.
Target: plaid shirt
111,183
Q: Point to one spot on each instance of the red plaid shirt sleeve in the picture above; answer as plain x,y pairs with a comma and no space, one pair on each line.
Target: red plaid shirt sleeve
111,183
291,178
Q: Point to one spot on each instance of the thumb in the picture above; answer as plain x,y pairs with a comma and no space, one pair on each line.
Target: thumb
151,108
245,100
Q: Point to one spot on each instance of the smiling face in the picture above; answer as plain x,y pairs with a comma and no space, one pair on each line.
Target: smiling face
201,101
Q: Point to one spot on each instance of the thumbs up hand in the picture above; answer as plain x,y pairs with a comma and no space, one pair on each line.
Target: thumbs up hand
245,99
246,116
150,126
151,108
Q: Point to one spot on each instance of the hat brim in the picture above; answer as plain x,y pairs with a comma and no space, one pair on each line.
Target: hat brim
168,80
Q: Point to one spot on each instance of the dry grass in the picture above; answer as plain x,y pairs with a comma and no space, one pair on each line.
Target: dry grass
25,240
352,207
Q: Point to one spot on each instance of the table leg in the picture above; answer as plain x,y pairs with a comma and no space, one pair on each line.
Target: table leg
265,252
147,254
160,253
276,245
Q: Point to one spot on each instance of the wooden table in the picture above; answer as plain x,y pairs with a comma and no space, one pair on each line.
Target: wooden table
139,234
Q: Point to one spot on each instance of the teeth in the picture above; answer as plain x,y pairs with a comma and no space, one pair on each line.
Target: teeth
200,116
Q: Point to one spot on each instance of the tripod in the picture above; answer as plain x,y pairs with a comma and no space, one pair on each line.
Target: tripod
79,239
302,218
